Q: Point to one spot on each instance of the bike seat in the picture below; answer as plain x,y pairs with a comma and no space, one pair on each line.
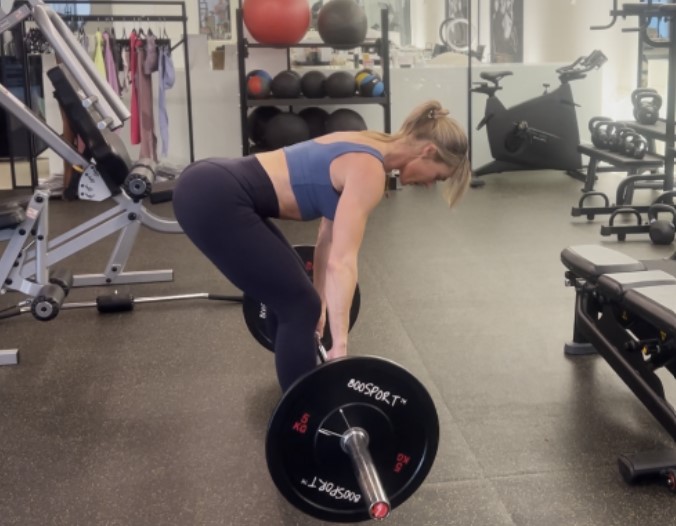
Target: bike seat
494,76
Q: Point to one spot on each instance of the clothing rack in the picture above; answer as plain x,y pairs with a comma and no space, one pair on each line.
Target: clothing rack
182,18
21,13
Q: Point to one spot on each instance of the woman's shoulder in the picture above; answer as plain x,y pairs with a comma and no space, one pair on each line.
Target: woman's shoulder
337,137
349,142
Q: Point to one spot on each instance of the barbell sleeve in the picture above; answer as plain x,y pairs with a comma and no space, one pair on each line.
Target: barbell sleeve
355,443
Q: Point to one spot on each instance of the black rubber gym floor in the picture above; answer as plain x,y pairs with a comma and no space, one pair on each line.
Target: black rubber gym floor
158,417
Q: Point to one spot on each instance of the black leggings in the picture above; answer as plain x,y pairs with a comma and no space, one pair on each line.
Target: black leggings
224,207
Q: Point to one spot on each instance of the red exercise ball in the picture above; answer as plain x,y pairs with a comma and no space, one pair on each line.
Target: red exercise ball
277,22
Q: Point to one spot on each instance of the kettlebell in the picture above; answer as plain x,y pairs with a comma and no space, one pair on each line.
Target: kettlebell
616,137
600,133
647,103
597,129
661,232
634,145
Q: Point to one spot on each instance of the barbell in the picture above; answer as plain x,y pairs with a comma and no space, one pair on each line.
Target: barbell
352,439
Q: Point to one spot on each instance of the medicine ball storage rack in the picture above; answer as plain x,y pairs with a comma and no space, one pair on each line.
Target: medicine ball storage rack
379,46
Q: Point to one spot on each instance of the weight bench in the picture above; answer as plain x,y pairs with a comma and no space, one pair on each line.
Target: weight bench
106,173
620,163
625,190
625,310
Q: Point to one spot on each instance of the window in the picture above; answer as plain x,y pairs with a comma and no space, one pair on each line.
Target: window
71,8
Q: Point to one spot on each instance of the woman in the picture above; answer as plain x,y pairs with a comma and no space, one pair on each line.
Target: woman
224,206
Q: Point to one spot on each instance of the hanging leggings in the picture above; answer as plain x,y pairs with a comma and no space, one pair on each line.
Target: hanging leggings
224,207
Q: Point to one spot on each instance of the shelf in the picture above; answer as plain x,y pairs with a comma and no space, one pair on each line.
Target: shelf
381,45
324,101
314,45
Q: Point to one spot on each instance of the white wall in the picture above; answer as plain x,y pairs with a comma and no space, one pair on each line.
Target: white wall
558,31
191,6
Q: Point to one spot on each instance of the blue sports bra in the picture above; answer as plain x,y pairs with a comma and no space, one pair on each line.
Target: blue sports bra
309,165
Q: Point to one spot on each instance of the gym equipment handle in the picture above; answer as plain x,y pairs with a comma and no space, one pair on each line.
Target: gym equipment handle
321,350
355,443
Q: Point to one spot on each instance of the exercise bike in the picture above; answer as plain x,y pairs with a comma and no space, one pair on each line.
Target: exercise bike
540,133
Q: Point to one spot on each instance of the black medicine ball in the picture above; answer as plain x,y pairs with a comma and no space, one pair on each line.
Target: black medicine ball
286,129
313,84
315,118
257,122
345,120
342,24
286,85
340,85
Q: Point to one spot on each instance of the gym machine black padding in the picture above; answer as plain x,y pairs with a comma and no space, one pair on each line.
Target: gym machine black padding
260,321
352,439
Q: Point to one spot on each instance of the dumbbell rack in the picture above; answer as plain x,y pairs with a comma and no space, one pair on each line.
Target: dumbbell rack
381,46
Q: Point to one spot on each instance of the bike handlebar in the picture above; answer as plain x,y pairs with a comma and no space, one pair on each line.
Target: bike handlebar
582,65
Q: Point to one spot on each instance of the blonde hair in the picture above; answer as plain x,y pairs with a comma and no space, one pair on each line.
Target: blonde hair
430,122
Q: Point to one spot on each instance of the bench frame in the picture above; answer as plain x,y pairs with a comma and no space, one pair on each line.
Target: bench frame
29,255
605,323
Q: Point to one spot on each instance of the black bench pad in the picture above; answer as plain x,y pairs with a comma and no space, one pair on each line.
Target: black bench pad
657,305
614,286
591,261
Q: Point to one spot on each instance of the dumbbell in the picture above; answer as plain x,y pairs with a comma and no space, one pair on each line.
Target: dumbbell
259,319
647,103
352,439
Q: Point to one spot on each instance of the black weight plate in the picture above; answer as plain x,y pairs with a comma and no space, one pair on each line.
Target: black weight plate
255,312
255,317
303,449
